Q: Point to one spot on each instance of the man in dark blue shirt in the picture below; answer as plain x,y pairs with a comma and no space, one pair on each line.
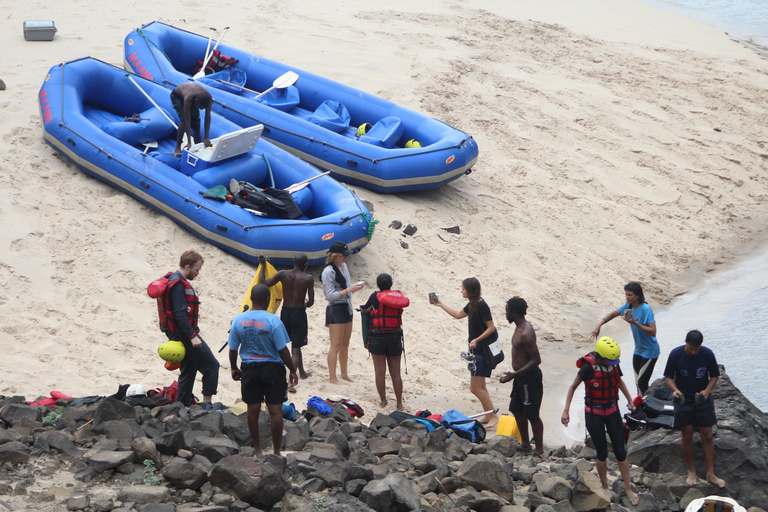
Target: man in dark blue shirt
692,373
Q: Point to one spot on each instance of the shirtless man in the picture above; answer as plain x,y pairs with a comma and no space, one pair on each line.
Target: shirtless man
297,285
188,98
527,390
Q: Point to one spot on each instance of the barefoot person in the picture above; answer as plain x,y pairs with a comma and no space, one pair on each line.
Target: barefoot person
262,340
601,375
691,373
337,288
528,389
385,342
639,315
481,330
188,98
298,295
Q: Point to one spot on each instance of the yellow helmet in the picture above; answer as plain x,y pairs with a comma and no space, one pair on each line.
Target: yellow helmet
608,349
172,351
363,129
413,143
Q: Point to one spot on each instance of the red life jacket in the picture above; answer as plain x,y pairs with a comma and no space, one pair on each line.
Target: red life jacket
602,390
159,288
388,317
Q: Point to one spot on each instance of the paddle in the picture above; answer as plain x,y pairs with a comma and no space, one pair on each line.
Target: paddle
184,139
300,185
281,82
148,146
210,38
201,73
483,413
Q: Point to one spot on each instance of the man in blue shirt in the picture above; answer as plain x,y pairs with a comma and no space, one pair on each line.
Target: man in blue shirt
262,340
692,373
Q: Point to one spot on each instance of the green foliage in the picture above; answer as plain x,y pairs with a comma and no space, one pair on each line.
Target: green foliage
320,502
149,473
53,416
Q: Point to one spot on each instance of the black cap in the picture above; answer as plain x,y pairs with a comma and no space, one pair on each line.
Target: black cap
340,248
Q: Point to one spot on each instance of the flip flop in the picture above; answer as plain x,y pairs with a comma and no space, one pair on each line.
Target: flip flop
291,389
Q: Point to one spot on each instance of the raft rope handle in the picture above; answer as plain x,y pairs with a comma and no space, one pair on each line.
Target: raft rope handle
148,41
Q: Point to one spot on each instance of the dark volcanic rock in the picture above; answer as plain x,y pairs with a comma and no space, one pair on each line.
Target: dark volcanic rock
252,480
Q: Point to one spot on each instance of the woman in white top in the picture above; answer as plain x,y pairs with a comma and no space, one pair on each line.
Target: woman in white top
337,288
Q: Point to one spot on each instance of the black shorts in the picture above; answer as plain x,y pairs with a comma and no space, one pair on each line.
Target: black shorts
478,368
263,382
527,392
702,415
295,322
337,314
178,105
385,343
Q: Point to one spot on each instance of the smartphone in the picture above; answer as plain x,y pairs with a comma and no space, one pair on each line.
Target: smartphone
628,314
361,283
432,297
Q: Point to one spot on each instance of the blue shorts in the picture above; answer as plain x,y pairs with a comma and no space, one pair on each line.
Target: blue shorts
701,415
480,368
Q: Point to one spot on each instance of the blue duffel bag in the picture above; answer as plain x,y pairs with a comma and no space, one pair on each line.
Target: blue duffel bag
463,426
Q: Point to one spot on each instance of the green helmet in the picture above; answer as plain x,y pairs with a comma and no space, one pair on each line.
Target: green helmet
363,129
607,348
413,143
172,351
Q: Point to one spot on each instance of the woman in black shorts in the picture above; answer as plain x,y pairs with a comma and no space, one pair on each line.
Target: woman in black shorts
481,330
337,288
601,375
385,341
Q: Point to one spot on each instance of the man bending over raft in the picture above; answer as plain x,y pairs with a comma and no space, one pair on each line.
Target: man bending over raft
188,98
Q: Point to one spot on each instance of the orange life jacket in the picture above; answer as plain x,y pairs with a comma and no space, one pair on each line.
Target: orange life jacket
388,316
602,390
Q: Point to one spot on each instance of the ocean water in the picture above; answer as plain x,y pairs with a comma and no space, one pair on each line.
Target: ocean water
729,308
745,20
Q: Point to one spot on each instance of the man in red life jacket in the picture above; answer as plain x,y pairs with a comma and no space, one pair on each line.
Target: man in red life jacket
297,286
178,309
386,336
601,375
528,388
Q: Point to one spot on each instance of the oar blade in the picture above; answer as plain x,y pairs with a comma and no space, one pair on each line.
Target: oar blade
285,80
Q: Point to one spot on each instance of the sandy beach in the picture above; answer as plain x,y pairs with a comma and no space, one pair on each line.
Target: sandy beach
617,142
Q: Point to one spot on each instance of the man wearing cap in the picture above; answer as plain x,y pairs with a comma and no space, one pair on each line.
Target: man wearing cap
298,295
691,373
337,288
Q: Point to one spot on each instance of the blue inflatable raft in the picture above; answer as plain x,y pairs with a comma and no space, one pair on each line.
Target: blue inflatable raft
119,128
314,118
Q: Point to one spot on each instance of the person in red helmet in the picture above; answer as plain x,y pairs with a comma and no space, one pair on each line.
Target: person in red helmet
601,375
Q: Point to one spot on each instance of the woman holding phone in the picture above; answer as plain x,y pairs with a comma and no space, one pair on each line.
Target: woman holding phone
481,331
639,315
337,289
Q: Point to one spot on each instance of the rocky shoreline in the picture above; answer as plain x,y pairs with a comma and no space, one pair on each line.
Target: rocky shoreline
119,458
